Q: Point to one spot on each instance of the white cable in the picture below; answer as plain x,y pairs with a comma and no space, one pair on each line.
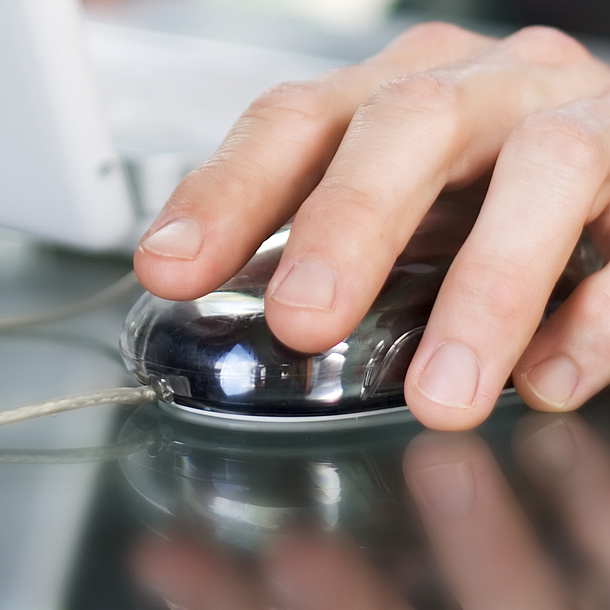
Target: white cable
121,287
78,401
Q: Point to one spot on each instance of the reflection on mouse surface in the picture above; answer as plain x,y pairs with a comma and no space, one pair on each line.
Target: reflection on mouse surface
216,354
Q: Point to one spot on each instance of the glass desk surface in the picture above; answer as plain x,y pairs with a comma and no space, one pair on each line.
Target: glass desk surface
81,528
216,514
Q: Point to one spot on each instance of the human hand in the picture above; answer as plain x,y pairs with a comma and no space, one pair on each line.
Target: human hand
361,153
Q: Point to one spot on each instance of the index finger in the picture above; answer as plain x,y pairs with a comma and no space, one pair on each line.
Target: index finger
270,161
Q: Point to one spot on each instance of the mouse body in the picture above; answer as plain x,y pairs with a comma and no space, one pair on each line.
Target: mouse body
216,354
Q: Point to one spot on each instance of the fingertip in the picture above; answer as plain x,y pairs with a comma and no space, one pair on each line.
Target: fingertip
445,417
209,264
176,280
167,258
307,309
549,384
304,330
445,386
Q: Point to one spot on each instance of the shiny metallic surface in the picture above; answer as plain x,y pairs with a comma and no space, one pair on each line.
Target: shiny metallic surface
292,423
217,354
305,423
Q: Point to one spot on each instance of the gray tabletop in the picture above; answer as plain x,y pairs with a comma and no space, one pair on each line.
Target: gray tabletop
43,508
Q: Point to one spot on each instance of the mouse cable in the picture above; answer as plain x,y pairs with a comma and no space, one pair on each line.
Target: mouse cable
116,290
122,396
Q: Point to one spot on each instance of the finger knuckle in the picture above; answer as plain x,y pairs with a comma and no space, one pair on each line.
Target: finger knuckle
189,185
351,201
306,99
426,45
427,93
591,310
437,32
238,174
544,44
563,140
359,208
496,292
594,303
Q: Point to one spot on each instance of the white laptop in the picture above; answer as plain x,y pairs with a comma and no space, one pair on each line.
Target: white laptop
99,122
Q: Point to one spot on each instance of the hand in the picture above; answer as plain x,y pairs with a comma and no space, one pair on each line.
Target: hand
361,153
488,555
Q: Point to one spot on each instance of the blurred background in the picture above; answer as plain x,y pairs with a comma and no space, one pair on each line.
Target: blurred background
588,16
114,101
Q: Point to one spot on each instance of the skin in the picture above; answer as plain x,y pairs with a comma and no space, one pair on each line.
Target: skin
361,153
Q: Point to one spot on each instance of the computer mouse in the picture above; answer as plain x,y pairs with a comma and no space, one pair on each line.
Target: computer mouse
216,357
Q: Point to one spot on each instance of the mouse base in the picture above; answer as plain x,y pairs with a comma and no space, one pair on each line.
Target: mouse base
301,424
306,423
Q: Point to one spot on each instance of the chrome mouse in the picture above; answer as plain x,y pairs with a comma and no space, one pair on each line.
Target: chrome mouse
216,357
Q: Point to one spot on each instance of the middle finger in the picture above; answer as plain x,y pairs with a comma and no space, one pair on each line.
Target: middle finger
411,138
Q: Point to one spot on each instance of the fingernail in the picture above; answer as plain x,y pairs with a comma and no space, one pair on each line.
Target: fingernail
181,238
553,380
451,376
309,284
553,447
448,488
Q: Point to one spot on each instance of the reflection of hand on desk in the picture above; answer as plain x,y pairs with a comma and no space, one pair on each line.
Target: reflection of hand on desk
484,546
